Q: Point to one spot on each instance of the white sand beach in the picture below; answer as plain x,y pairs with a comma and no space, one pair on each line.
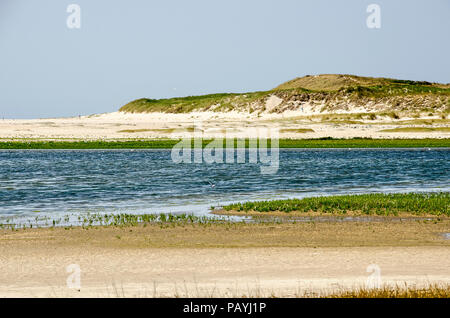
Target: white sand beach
118,126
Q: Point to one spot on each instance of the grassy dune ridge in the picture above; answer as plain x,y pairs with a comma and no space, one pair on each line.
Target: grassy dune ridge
365,204
330,90
331,82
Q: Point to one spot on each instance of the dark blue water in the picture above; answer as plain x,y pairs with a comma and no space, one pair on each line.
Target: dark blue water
77,181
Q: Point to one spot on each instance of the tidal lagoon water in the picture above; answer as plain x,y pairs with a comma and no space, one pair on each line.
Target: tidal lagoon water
58,182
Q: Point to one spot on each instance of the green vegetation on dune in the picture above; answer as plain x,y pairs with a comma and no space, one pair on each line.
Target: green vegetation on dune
365,204
283,143
332,91
214,102
332,82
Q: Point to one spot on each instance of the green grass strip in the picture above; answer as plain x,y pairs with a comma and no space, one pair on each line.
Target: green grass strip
369,204
283,143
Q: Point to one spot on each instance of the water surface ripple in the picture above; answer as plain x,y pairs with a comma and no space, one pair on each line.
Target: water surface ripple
143,181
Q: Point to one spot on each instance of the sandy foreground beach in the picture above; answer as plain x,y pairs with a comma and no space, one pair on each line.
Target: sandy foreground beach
286,260
216,272
294,124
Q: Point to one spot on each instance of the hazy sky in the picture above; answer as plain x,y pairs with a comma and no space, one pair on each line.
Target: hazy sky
163,48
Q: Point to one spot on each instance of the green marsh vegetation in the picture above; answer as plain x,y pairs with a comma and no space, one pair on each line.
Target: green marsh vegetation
89,220
143,232
418,204
326,142
125,219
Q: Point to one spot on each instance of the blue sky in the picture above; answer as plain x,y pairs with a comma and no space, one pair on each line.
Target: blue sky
163,48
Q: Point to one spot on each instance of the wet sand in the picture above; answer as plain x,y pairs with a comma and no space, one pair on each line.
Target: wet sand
201,261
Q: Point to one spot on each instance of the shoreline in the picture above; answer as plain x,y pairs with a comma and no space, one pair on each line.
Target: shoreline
364,208
329,217
131,255
265,260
